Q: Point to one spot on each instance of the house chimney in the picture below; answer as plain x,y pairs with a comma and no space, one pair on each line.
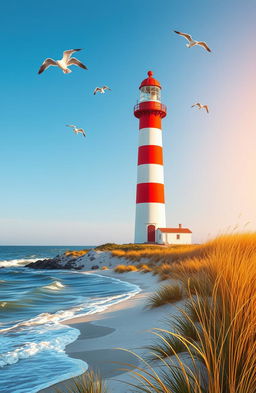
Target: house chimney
180,225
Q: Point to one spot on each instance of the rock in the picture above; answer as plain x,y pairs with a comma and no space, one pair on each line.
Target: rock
95,267
60,262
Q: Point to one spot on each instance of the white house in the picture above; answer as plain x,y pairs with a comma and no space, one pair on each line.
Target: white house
174,235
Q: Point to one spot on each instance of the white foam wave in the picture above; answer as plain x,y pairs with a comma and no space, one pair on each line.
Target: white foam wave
18,262
98,305
32,348
55,286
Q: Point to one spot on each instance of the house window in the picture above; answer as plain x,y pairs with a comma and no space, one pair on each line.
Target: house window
178,237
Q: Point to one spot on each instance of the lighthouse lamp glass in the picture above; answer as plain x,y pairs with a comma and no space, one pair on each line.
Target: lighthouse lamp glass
150,93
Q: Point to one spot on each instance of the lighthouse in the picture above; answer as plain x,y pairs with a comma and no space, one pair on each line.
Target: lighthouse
150,202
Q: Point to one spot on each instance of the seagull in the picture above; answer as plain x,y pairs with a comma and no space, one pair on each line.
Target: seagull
76,130
101,89
193,42
200,106
64,63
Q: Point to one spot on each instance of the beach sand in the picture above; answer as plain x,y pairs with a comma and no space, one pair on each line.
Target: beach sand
125,325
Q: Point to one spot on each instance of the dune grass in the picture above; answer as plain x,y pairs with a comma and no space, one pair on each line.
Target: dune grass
89,382
126,247
156,253
76,253
166,294
144,268
216,328
125,268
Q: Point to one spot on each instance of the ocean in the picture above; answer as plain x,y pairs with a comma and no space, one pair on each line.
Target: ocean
32,305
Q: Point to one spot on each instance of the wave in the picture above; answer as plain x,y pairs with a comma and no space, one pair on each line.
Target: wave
33,348
55,286
11,305
98,305
18,262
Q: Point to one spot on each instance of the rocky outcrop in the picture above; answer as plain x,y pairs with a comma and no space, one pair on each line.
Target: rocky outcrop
93,260
55,263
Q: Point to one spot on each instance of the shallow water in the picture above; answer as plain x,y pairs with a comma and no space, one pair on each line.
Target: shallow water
32,305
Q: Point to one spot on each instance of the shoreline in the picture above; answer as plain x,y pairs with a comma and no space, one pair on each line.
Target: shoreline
125,325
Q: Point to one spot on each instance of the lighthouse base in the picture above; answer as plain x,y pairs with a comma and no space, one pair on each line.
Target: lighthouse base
149,217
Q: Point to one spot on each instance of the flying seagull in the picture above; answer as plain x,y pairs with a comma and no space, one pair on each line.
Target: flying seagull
64,63
200,106
192,42
101,89
76,130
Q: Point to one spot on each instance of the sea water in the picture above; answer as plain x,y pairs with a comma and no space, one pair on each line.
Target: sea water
32,305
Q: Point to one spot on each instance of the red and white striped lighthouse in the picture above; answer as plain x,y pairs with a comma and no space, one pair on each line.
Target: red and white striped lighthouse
150,203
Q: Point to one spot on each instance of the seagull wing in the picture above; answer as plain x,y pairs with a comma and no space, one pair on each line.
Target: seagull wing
197,104
203,44
68,53
95,90
47,63
206,108
106,88
74,61
70,125
187,36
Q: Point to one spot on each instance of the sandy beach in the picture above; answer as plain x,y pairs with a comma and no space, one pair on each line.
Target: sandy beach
125,325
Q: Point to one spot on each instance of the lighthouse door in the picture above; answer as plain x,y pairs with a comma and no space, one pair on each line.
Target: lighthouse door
151,233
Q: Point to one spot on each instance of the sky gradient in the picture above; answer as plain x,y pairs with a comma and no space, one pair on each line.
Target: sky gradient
60,188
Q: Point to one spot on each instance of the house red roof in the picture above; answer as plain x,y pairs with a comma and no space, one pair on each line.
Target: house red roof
175,230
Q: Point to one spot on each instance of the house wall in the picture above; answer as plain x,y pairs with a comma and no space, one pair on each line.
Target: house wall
171,238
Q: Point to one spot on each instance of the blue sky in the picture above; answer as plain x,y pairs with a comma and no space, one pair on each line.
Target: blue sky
59,188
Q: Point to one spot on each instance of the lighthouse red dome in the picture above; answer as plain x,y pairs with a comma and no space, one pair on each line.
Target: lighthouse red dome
150,81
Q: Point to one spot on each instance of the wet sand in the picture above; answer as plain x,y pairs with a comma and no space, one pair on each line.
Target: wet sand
124,325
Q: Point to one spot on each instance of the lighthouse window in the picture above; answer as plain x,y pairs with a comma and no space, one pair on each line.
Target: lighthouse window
150,93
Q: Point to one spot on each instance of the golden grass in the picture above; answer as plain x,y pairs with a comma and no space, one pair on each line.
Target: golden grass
76,253
126,247
166,294
125,268
89,382
144,268
156,253
222,313
216,328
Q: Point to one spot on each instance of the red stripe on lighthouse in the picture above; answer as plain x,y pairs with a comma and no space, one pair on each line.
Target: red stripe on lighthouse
150,120
150,192
150,154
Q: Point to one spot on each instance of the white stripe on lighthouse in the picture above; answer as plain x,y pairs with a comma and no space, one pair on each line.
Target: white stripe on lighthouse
148,213
150,136
150,173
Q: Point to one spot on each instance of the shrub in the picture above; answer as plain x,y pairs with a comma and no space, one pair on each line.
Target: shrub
166,294
89,382
76,253
125,268
144,268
